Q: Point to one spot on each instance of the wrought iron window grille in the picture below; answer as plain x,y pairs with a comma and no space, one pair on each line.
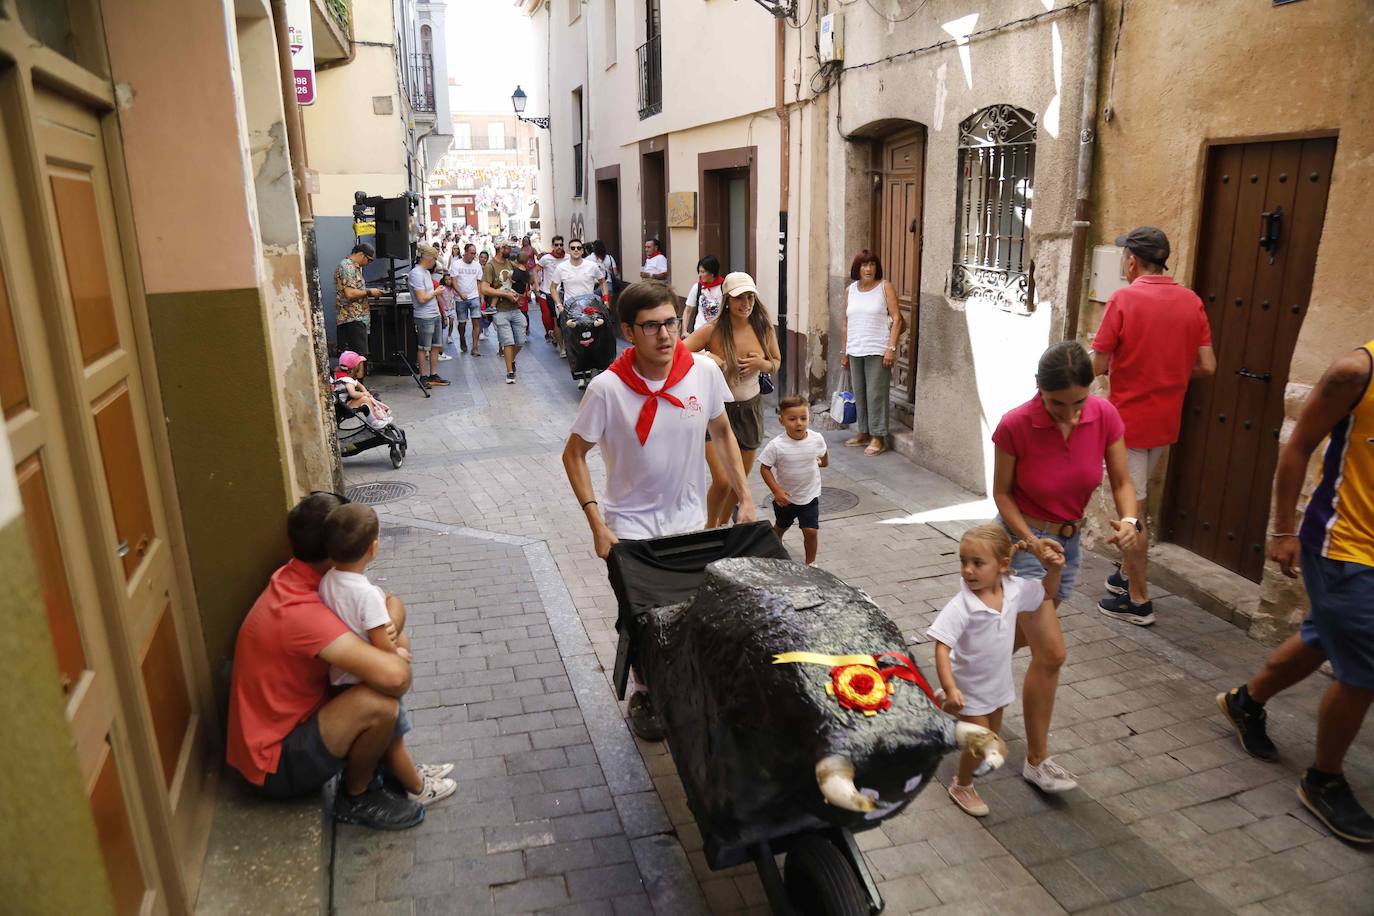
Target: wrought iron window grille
993,208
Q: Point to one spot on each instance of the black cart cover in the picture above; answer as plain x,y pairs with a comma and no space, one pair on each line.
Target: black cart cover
588,335
767,668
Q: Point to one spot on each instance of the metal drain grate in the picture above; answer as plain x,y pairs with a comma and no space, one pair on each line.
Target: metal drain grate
372,494
834,499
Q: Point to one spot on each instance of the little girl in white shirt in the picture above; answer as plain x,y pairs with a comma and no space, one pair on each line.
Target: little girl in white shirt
975,636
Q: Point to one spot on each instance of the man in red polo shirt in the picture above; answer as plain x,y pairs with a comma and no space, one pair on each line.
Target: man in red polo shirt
287,735
1154,338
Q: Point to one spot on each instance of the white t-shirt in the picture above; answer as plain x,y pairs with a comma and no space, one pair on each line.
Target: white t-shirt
982,641
793,462
467,277
579,280
658,264
547,264
658,488
707,301
358,603
607,265
421,279
868,321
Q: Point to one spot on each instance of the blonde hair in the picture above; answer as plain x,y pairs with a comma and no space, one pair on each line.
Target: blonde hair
996,539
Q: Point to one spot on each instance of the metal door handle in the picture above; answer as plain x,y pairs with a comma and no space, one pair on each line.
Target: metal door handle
1271,226
1257,376
122,549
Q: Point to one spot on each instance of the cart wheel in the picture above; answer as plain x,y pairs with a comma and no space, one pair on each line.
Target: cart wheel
820,880
397,456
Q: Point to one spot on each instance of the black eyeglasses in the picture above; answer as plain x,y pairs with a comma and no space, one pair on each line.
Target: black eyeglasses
651,328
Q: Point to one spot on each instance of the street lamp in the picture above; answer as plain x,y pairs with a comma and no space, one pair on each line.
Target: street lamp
517,100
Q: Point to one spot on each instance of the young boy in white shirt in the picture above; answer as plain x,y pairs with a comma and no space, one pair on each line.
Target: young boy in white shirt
351,538
791,466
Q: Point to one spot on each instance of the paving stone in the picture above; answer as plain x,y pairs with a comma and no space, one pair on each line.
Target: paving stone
530,894
604,881
1222,814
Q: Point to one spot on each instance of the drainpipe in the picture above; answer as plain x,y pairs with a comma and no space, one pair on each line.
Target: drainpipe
295,144
785,150
1087,136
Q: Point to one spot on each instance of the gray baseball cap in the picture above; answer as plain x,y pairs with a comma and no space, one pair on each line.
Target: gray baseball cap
1147,243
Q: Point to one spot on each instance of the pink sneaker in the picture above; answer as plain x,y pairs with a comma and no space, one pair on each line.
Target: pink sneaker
966,797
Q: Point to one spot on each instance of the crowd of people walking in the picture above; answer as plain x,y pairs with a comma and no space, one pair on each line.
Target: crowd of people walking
680,419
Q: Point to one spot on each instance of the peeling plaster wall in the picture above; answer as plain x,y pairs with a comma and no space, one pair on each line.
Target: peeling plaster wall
290,322
975,361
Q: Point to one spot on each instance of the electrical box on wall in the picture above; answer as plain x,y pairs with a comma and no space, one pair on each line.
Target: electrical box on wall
1106,277
831,37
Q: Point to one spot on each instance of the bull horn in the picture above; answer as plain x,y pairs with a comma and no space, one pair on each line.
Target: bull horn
981,742
835,776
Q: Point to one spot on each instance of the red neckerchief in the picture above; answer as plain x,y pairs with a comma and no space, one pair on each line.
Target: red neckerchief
714,283
624,367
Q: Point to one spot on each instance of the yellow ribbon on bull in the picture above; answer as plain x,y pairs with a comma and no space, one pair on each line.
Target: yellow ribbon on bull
830,661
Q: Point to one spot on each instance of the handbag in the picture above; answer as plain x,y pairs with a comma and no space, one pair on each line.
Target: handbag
765,383
843,409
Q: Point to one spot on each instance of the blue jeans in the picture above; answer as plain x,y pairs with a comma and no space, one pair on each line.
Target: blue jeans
1026,565
467,308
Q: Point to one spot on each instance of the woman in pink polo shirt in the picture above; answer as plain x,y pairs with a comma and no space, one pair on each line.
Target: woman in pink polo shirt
1050,453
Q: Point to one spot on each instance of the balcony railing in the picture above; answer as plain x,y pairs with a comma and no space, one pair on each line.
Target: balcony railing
577,170
421,82
650,77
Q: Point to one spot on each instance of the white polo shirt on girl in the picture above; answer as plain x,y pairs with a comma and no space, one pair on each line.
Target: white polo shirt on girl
982,641
658,488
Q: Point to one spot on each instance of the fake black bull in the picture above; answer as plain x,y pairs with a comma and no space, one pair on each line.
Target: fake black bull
588,336
789,705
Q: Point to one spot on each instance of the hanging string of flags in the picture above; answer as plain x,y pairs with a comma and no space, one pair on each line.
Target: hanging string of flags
482,175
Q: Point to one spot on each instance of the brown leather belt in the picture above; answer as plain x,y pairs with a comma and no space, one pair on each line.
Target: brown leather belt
1064,530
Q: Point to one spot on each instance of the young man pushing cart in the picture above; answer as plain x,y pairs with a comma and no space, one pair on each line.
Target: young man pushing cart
649,413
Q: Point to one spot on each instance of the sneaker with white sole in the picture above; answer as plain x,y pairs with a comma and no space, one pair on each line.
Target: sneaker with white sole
966,797
436,770
433,790
1049,777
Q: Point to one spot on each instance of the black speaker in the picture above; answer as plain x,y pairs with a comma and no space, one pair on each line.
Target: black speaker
393,227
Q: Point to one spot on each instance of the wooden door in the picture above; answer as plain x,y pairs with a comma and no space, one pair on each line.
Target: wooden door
1263,206
654,203
608,218
77,421
901,162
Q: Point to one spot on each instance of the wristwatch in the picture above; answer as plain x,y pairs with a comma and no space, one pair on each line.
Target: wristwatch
1134,521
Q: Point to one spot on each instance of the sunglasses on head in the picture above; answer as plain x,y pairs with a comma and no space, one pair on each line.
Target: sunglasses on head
339,496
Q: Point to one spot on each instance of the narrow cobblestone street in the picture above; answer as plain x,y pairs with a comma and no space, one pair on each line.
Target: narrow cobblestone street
561,810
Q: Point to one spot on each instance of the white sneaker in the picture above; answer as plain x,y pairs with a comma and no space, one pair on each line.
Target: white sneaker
444,356
433,790
436,770
1049,777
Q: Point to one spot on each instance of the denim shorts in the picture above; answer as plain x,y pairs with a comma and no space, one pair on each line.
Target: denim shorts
467,308
1027,566
510,328
427,333
1341,621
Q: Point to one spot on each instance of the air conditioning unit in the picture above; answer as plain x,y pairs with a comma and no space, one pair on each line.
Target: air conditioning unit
831,38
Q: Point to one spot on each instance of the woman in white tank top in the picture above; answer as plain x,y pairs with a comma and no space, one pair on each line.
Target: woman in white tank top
868,347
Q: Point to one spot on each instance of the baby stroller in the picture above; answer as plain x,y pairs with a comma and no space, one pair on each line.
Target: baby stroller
356,435
588,337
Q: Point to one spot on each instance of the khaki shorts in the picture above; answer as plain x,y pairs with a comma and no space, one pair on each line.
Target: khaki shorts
1141,463
746,420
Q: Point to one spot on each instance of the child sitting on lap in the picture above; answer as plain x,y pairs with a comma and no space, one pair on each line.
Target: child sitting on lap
975,636
351,537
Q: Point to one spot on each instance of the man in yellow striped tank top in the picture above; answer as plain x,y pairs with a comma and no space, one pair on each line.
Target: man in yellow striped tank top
1334,551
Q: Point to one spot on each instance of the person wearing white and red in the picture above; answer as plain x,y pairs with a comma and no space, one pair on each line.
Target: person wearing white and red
655,262
1153,340
547,264
649,413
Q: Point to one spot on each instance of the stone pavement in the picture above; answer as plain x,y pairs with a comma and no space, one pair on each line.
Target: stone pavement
561,810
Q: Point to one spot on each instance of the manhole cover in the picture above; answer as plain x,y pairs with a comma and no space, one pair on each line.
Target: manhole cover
833,499
371,494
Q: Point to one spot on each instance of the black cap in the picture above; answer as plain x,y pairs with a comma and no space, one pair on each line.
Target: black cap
1147,243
